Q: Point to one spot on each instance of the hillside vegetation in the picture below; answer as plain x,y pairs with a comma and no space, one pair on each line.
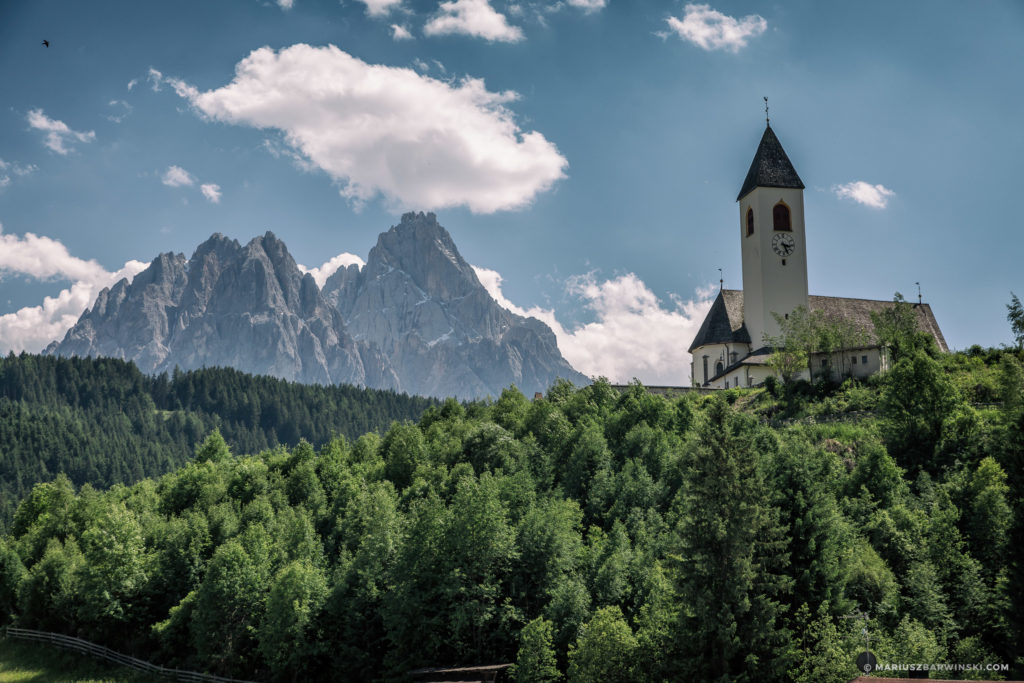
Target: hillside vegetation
101,421
589,535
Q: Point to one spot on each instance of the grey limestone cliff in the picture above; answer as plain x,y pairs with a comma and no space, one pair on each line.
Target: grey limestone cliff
249,308
423,305
415,319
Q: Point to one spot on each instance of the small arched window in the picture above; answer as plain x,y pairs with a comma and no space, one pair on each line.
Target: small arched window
718,368
780,217
750,222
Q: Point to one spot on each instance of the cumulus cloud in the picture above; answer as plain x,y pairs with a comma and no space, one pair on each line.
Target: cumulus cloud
378,130
875,196
329,268
211,191
472,18
633,334
176,176
132,83
711,30
380,8
285,4
400,32
58,135
33,327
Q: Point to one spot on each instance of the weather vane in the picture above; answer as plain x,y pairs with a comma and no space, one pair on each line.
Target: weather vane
767,120
721,279
918,293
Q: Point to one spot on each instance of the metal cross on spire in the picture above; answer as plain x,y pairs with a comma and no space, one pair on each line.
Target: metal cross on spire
767,120
721,280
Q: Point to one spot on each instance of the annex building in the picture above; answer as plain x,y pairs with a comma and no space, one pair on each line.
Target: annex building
729,350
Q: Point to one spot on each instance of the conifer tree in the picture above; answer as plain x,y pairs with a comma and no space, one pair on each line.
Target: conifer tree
730,561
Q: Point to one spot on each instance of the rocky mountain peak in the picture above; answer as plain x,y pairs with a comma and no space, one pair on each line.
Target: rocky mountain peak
415,318
424,251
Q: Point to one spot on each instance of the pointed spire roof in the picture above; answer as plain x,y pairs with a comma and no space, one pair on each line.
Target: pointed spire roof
724,322
770,167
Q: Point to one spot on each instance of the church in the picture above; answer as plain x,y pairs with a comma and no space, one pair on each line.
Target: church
729,350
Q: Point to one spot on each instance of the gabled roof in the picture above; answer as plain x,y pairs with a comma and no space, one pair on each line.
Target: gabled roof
724,322
859,312
770,167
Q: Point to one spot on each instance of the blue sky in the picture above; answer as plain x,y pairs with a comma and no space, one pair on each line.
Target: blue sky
585,154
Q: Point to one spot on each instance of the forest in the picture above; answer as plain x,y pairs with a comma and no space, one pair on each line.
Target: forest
588,535
103,422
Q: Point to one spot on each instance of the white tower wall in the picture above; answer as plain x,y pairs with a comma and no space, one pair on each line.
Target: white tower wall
771,283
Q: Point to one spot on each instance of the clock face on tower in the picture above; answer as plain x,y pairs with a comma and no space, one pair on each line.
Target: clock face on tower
783,244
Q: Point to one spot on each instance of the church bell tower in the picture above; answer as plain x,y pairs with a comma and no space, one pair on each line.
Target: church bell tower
772,239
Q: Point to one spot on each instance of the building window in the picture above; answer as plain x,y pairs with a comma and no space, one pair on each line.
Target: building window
855,360
732,357
824,362
780,217
750,222
705,370
864,360
718,368
750,381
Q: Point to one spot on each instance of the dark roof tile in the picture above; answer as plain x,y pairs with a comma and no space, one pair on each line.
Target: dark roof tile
724,322
770,167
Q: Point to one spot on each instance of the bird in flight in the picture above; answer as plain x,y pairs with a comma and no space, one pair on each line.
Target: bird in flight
46,43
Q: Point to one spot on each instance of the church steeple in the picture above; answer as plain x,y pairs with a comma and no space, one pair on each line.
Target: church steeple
770,167
772,240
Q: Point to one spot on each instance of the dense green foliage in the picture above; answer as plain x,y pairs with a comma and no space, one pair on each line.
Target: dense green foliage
101,421
585,536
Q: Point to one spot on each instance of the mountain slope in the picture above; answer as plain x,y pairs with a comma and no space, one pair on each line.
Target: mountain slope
249,308
422,304
414,319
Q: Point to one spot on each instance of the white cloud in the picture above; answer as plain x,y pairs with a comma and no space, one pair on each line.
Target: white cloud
378,130
472,18
33,327
633,335
400,32
589,5
123,109
285,4
58,134
380,8
155,79
176,176
11,167
132,83
321,273
211,191
875,196
712,30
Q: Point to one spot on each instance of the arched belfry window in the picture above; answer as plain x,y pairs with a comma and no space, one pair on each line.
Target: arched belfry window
750,222
718,368
780,217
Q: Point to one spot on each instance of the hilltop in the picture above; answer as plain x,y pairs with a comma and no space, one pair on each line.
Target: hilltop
590,533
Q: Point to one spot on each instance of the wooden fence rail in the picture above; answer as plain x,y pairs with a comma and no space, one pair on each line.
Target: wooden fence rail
94,650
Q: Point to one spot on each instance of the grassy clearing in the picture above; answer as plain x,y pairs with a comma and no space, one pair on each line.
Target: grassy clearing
23,662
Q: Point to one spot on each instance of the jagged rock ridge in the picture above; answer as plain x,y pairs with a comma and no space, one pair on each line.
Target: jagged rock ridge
423,305
415,318
249,308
